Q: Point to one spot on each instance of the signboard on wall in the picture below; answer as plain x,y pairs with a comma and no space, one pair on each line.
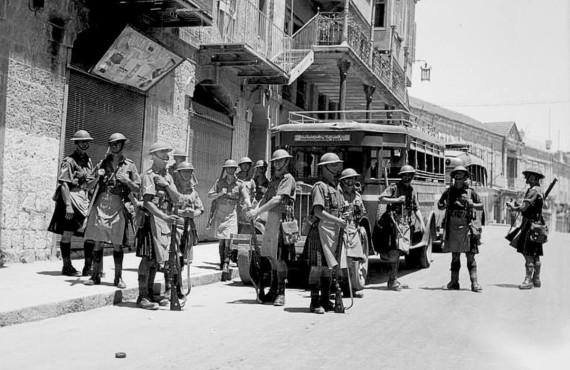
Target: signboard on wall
136,61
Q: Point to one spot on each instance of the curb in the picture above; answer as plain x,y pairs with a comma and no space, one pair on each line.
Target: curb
93,301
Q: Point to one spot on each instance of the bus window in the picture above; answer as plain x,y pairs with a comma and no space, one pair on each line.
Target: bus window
429,163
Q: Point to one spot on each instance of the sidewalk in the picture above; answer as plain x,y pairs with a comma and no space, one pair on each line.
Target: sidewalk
38,291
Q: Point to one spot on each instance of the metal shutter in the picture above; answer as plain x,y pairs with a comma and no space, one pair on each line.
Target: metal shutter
103,108
211,146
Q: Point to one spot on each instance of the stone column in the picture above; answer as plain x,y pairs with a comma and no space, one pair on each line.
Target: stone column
343,66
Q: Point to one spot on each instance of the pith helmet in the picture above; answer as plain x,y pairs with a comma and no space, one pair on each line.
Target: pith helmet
459,169
179,153
407,169
230,163
244,160
348,173
534,171
81,135
117,137
184,166
280,154
329,158
260,163
158,146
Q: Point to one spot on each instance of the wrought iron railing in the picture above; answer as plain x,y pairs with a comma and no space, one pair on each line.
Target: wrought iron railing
245,24
326,29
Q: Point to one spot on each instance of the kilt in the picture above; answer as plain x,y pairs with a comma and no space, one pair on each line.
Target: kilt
457,238
59,224
523,244
144,244
108,221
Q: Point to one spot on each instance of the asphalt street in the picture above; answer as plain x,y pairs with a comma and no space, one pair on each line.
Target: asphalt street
423,327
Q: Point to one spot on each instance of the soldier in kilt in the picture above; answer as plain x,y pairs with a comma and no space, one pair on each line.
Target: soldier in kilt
277,202
531,210
72,202
322,240
459,200
403,206
109,219
159,196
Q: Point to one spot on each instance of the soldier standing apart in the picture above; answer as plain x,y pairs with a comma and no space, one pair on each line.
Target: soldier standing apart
459,200
72,202
531,210
322,240
153,238
356,211
277,202
191,207
226,194
107,224
402,201
260,179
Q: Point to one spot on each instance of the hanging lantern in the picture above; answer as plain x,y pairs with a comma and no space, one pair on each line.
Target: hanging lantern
426,71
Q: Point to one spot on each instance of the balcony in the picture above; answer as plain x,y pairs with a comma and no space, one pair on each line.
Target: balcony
160,13
335,36
247,40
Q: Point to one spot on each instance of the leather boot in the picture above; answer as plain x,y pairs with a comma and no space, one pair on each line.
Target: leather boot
67,269
472,267
326,303
118,259
315,306
454,283
143,300
95,278
393,283
536,276
88,255
226,275
281,282
527,283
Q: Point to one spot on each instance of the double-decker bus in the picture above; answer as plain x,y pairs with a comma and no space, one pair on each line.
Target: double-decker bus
376,144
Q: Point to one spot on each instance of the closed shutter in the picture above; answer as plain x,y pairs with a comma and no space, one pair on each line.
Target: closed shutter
211,146
102,109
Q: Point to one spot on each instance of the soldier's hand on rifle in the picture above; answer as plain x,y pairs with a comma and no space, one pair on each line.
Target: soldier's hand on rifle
223,192
401,199
69,211
101,172
122,177
250,215
161,181
342,223
172,219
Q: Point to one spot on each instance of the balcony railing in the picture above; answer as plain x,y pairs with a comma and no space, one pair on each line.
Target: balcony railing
246,24
326,29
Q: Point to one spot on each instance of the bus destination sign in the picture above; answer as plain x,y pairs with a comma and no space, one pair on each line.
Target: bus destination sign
336,138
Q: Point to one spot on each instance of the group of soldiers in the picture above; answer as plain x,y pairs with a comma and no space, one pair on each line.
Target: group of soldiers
104,201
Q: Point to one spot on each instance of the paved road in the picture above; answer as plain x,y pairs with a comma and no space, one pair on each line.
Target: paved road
422,327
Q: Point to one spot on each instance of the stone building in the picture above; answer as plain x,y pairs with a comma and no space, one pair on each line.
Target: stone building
211,77
506,153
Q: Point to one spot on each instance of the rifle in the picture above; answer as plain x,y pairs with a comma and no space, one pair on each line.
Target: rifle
184,242
172,270
214,204
338,304
550,188
255,270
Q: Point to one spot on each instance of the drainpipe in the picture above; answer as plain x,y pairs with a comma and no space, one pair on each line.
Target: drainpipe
371,56
345,23
392,28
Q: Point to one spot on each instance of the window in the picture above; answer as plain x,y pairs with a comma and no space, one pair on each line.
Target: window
380,13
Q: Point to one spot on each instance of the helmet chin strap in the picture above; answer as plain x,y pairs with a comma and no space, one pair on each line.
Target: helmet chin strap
278,170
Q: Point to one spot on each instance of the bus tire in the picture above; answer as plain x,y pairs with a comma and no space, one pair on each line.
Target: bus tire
243,268
425,253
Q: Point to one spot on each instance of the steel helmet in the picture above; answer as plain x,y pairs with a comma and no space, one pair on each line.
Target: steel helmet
179,153
534,171
158,146
81,135
185,165
230,163
407,169
117,137
329,158
244,160
280,154
459,169
348,173
260,163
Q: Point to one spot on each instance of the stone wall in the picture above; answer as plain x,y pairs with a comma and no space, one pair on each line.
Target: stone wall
32,90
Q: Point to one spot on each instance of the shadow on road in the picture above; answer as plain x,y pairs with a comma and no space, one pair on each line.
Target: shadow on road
512,286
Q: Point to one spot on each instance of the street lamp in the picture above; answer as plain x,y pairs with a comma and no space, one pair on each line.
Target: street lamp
426,70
